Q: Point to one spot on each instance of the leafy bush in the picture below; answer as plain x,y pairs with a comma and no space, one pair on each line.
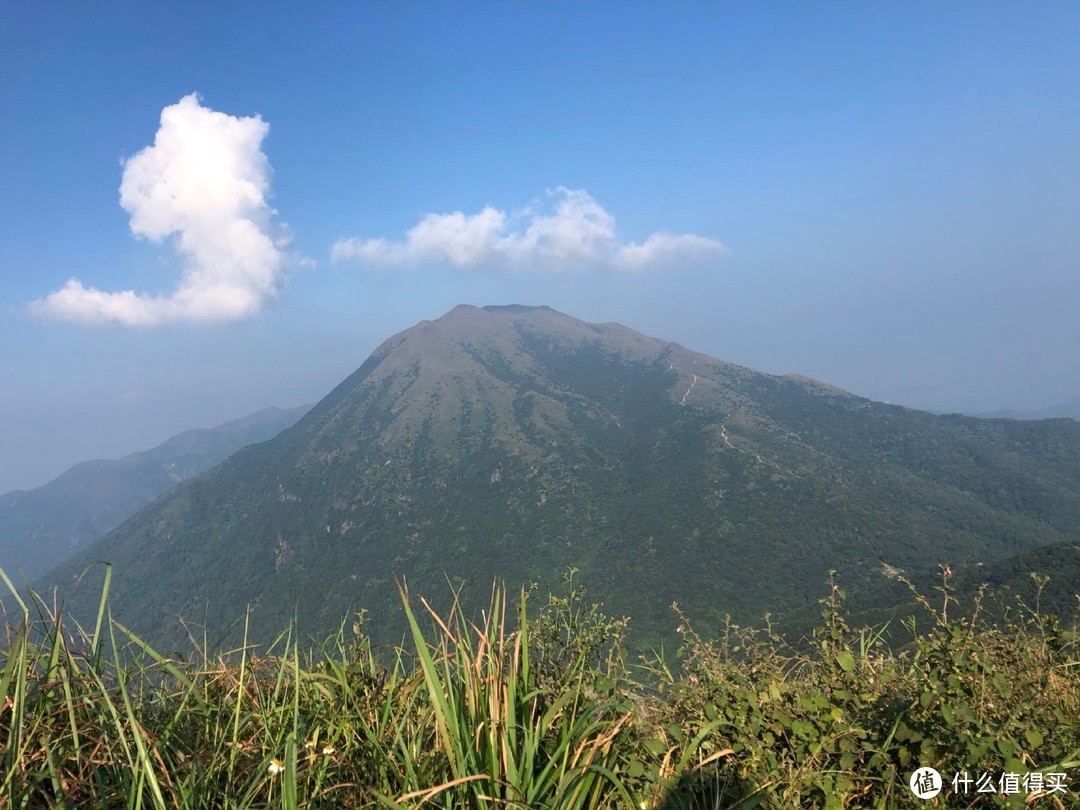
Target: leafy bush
847,723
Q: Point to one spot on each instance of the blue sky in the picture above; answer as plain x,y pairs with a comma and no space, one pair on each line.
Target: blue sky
883,196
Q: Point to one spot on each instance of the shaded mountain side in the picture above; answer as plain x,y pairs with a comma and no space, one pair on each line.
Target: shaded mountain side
40,528
1045,579
515,442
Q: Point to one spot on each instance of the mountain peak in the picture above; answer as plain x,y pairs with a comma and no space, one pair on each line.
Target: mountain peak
469,312
516,308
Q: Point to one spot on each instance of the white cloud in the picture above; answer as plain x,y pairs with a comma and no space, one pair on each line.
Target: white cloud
574,233
203,185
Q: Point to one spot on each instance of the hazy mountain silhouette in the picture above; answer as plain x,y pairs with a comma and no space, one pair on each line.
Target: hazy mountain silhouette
42,527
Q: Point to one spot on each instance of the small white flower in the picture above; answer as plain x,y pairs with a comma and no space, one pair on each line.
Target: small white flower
328,750
275,767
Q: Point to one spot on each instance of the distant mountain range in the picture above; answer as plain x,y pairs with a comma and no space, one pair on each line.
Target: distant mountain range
513,442
40,528
1065,410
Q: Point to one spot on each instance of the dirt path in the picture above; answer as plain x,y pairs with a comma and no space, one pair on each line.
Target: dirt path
727,441
688,390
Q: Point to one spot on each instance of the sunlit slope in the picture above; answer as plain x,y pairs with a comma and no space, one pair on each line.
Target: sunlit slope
514,442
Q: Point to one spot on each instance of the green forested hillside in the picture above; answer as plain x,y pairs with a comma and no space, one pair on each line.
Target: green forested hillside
513,442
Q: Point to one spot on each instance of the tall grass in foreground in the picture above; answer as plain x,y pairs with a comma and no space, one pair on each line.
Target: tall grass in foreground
535,708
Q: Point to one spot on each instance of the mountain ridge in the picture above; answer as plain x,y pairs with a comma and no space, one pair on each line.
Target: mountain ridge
41,527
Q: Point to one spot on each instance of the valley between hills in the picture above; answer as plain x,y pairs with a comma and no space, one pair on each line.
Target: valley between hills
41,527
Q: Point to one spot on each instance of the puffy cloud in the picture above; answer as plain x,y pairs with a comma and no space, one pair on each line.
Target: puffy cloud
203,185
575,232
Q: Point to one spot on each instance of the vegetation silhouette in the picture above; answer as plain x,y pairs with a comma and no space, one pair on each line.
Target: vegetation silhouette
716,789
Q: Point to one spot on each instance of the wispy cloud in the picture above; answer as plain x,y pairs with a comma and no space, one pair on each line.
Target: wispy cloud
203,186
571,232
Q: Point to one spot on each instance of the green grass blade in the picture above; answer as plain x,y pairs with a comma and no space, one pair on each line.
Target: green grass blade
145,764
444,719
102,606
288,784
